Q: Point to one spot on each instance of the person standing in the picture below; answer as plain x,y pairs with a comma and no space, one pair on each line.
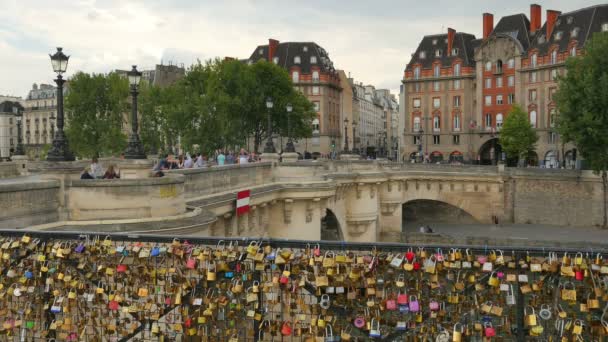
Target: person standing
188,163
230,158
221,158
199,161
243,157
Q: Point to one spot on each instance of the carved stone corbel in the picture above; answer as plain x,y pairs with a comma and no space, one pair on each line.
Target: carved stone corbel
388,208
389,185
310,207
287,210
359,190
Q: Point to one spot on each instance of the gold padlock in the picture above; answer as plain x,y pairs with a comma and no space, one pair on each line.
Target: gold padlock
457,333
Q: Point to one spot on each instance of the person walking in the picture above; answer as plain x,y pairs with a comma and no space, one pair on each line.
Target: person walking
221,158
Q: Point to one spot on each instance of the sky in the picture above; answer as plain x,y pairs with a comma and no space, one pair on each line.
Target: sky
371,40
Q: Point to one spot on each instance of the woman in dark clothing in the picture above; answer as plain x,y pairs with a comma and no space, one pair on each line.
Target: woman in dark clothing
110,173
86,174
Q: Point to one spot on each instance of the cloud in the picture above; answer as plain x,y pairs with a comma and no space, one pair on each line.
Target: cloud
373,41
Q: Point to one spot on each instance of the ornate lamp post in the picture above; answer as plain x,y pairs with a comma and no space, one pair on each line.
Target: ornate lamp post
60,151
19,149
269,148
289,148
135,149
346,151
355,149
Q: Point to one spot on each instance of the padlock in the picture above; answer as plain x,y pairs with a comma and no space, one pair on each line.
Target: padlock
457,333
325,302
511,299
530,316
493,280
545,312
374,331
577,329
402,298
286,329
414,306
489,330
211,271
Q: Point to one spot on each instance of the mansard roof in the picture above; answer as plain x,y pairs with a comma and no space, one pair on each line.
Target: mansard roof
462,41
286,52
516,26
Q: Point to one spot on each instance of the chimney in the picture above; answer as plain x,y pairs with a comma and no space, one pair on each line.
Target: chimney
451,33
551,19
535,21
488,24
272,48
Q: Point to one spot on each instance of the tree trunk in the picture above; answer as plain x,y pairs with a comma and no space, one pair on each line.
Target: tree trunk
256,142
604,186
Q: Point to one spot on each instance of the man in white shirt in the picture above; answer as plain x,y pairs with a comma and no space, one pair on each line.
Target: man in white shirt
96,169
189,162
200,162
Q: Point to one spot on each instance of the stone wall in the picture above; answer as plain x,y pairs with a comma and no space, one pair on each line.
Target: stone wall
8,170
125,198
28,201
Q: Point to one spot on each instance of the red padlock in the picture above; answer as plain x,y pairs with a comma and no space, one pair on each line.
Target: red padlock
238,267
579,275
409,255
416,266
113,305
317,251
121,268
402,299
188,322
286,329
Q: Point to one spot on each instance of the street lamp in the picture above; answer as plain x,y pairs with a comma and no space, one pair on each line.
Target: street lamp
355,149
60,151
269,148
135,149
420,133
19,150
346,136
289,148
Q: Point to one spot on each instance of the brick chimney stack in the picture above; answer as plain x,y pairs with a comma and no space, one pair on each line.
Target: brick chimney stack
535,20
551,19
272,48
451,34
488,24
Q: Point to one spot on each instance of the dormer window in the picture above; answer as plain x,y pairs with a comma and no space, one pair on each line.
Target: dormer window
605,27
422,55
305,48
417,72
455,52
573,51
297,60
437,53
275,60
558,35
261,52
488,66
457,70
533,60
541,39
569,20
313,59
574,32
511,63
434,41
436,70
553,56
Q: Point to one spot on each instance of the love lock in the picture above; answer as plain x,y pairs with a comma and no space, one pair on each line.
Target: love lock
545,312
324,303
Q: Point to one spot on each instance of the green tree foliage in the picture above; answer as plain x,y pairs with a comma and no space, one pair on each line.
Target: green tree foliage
95,108
517,137
582,102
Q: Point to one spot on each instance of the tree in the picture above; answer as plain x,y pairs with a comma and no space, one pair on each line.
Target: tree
517,137
95,108
583,107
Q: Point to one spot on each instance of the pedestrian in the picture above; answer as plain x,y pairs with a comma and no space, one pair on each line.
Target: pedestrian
230,158
180,161
111,173
429,230
96,169
200,162
86,174
243,157
188,163
221,158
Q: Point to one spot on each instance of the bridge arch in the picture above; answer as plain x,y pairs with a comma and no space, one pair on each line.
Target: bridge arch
480,205
331,229
424,211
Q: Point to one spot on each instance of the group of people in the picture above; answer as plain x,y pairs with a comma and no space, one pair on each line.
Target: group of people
95,171
219,158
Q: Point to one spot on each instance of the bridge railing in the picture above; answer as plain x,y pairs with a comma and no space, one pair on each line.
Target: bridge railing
87,287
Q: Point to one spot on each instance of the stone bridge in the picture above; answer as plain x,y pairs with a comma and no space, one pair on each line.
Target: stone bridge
294,200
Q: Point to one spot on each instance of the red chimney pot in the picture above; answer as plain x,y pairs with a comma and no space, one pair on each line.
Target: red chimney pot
488,24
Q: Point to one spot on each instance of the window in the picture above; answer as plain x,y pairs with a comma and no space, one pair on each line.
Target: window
275,60
533,60
436,86
498,99
553,136
533,118
313,59
488,120
260,52
552,93
417,140
437,53
511,81
552,117
573,51
499,66
511,99
605,27
457,70
316,105
553,56
434,41
488,83
417,124
574,32
417,72
498,82
456,139
436,123
569,20
422,54
488,66
436,70
488,101
305,48
457,123
295,77
315,126
532,95
417,87
455,52
315,76
554,74
436,102
416,103
316,90
532,77
436,140
456,101
498,121
511,63
456,84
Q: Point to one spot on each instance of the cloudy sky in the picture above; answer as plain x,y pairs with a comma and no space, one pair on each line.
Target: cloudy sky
373,40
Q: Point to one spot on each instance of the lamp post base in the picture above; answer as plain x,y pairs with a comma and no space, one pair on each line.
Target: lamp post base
135,149
349,156
270,157
288,157
60,151
269,147
290,148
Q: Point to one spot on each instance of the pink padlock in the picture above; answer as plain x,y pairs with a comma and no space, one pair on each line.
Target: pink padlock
391,304
482,259
414,305
489,330
191,263
434,306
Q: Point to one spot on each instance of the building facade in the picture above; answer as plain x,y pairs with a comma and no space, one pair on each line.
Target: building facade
458,90
38,125
314,75
9,113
